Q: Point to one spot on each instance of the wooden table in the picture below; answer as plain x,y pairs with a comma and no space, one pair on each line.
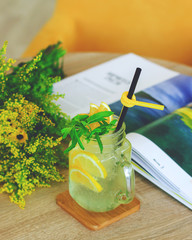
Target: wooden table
160,216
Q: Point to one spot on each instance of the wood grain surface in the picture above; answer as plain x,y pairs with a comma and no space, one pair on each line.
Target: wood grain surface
93,220
160,216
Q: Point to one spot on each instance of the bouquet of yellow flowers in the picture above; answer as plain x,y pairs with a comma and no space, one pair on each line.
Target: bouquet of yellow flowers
30,124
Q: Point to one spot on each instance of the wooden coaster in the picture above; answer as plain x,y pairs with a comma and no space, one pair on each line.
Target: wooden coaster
93,220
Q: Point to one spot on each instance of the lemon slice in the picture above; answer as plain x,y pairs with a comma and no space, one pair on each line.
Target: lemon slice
89,162
104,107
93,109
94,125
79,175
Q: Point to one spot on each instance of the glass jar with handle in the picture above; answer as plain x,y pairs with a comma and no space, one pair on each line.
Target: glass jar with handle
98,181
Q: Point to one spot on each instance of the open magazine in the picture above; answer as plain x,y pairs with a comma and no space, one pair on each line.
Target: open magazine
161,140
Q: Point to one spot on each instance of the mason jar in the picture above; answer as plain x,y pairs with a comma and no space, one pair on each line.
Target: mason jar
98,181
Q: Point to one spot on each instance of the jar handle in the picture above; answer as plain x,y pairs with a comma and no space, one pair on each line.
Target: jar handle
130,178
126,197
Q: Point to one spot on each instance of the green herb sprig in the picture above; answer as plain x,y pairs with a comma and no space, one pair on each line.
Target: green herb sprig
79,127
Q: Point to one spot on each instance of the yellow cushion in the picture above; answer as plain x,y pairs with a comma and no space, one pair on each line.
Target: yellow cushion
160,29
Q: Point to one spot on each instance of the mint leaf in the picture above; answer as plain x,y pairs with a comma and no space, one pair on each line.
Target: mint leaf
80,117
100,116
66,131
99,142
80,126
78,138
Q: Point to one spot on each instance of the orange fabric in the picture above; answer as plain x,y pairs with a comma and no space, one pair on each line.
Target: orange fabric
160,29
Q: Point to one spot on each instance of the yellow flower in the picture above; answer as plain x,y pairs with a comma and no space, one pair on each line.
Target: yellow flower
19,136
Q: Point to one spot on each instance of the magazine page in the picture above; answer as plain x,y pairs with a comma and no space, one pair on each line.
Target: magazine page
152,152
161,185
173,93
106,82
163,150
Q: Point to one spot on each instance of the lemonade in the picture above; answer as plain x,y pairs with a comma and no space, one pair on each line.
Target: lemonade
101,176
98,181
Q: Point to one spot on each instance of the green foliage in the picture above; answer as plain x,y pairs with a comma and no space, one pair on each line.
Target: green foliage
30,124
80,126
34,80
4,67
